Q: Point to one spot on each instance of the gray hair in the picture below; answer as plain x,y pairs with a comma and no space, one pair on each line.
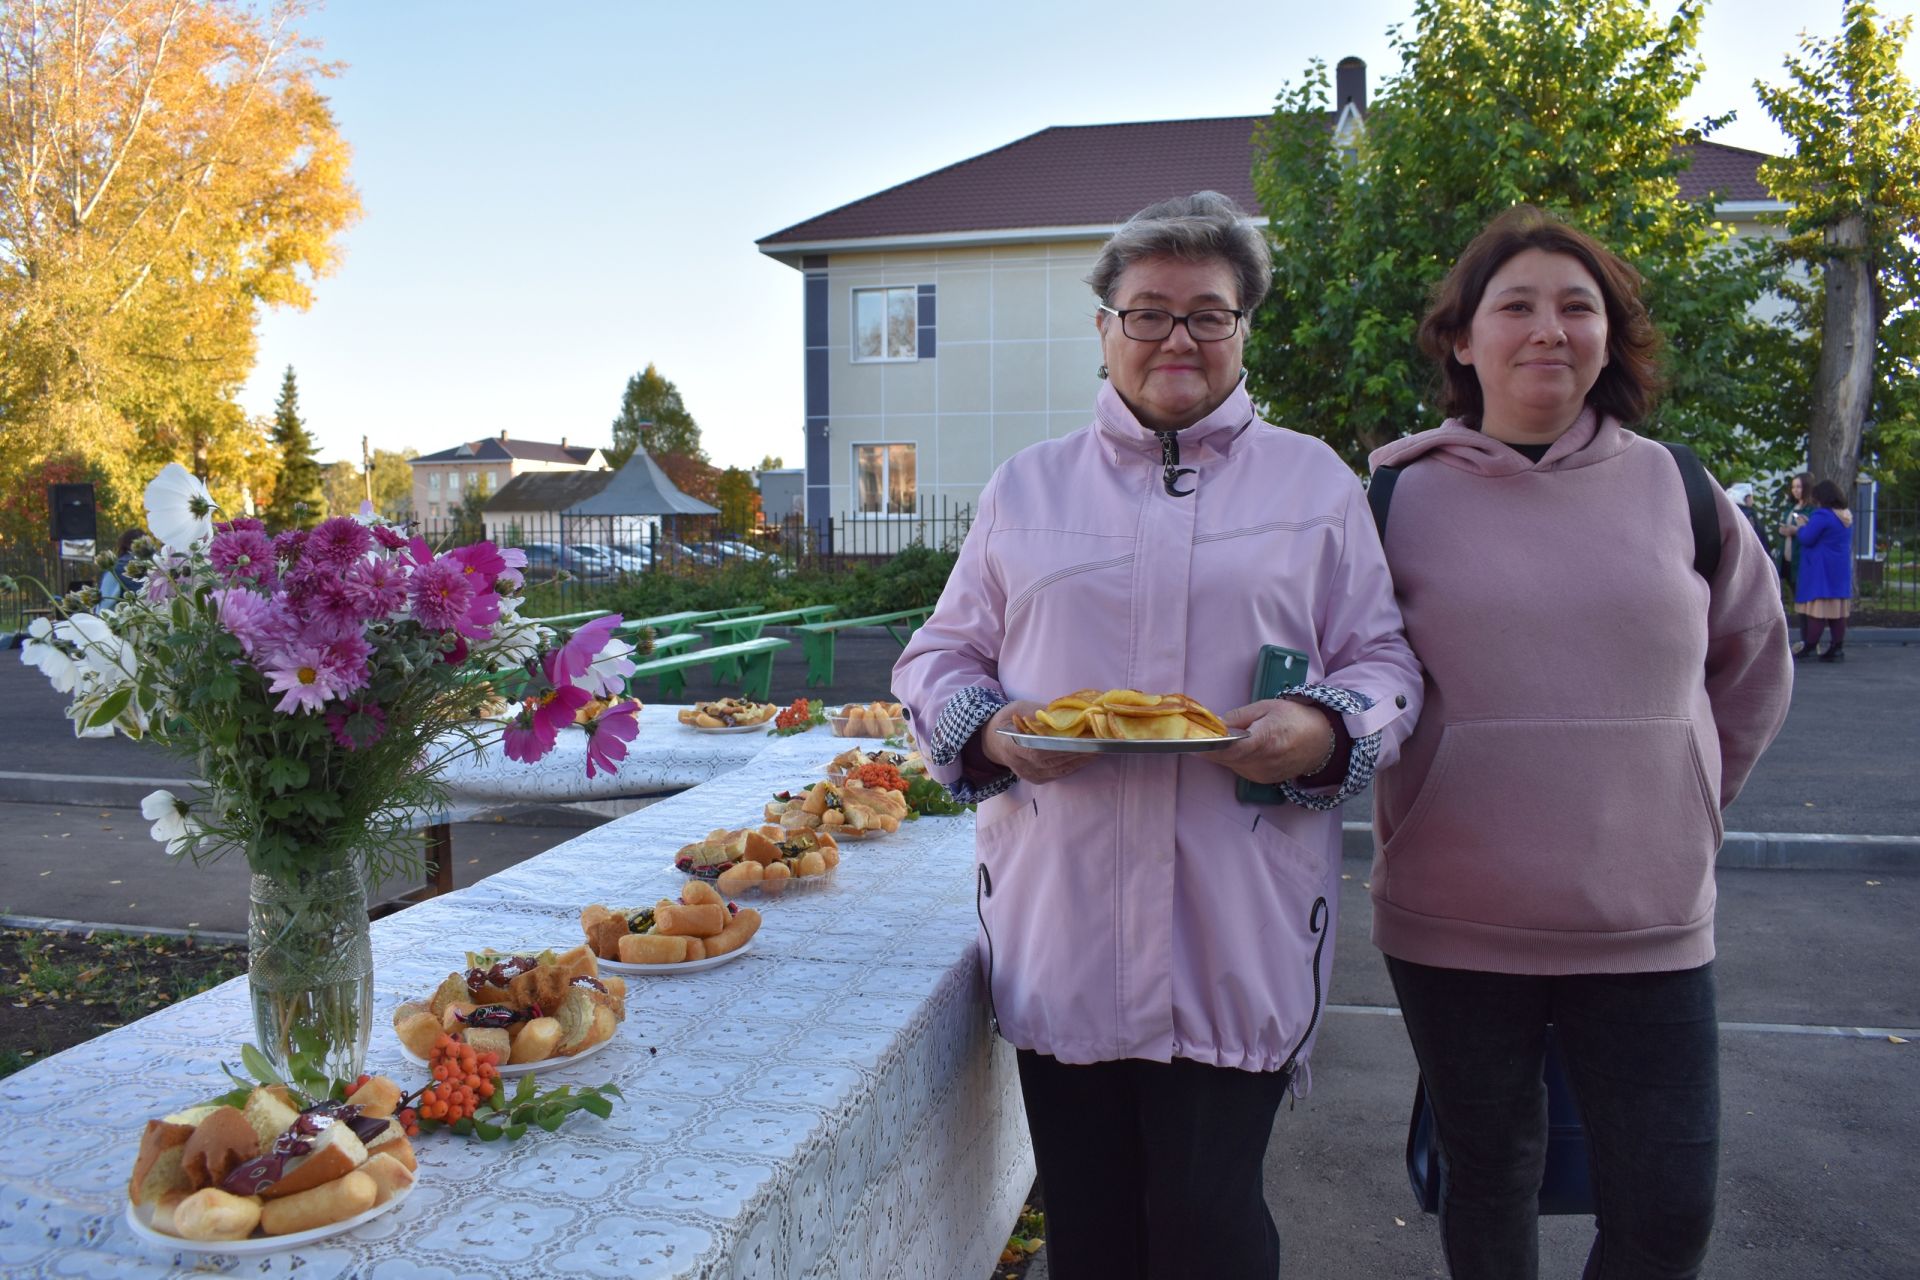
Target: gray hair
1205,225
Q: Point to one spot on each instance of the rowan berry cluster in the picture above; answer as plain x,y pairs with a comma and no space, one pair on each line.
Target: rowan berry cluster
462,1080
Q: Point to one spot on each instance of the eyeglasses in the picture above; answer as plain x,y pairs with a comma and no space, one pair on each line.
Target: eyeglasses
1150,324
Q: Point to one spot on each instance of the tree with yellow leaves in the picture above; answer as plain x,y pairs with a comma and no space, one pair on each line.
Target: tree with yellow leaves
167,167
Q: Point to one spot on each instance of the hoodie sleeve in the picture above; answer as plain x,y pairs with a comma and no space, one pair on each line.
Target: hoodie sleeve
956,649
1362,644
1749,672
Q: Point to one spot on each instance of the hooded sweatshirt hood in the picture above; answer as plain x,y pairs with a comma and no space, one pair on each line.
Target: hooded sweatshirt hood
1590,440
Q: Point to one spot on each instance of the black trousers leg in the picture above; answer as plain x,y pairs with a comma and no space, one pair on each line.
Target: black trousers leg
1153,1169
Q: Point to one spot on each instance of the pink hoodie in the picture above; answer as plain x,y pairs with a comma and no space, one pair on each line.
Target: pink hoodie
1137,909
1592,705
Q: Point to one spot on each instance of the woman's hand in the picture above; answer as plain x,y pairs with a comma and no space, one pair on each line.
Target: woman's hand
1285,739
1026,763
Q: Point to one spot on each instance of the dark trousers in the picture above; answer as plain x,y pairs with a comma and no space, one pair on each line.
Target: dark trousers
1643,1057
1153,1169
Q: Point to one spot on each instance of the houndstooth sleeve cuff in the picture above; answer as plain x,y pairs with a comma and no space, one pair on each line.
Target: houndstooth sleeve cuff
1360,764
964,715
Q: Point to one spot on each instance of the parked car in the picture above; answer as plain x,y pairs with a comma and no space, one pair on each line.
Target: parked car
636,557
596,560
554,557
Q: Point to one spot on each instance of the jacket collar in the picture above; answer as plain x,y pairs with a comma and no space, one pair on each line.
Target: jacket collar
1211,437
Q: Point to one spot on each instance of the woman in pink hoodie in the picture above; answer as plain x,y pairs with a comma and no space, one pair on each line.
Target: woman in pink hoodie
1156,949
1547,837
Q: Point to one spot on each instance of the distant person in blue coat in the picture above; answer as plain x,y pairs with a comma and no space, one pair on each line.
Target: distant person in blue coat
1823,589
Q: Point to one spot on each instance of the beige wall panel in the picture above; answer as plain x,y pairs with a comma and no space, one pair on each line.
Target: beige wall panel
964,450
909,386
854,388
1019,303
963,305
1013,432
1072,377
1034,254
965,375
1019,377
1070,304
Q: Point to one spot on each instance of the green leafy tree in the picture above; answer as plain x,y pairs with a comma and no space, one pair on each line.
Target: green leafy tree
393,482
771,462
344,486
299,498
1572,105
1854,186
469,518
738,500
652,416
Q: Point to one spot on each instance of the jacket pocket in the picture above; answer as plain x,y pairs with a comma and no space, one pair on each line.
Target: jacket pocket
1582,825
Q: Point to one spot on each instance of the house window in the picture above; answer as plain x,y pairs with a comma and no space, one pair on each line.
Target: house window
886,324
883,479
433,481
453,481
493,480
473,479
433,510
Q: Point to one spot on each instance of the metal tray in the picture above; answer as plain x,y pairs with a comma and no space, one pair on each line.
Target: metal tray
1124,746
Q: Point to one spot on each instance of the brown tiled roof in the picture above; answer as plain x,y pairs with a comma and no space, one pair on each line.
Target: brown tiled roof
493,449
548,490
1098,175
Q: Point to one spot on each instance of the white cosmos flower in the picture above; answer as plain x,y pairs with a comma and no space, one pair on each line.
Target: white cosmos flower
179,508
173,826
54,662
515,640
606,676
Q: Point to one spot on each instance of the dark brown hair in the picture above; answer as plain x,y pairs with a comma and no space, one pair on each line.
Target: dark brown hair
1829,495
1629,383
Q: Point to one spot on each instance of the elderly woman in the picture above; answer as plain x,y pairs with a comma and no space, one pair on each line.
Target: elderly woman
1593,703
1157,949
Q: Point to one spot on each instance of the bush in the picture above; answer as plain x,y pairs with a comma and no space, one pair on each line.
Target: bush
908,580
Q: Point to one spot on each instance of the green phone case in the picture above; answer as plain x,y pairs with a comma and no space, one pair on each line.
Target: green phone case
1277,671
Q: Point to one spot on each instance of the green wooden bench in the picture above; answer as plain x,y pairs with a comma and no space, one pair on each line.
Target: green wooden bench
666,623
729,631
752,659
571,619
816,638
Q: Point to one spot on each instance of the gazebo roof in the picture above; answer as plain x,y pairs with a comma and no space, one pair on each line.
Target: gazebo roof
640,488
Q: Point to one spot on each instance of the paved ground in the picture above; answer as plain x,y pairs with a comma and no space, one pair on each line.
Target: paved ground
1822,1120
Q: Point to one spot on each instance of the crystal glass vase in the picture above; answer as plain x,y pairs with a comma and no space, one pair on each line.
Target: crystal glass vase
310,969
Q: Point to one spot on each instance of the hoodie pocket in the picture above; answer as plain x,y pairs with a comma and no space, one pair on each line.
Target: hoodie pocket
1580,825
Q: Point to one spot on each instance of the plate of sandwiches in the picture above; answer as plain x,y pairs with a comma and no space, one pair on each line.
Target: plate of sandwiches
266,1176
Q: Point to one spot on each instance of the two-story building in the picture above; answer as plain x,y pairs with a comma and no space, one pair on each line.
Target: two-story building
442,480
947,320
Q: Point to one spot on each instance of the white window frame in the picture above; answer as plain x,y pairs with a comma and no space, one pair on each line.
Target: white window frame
433,481
853,329
853,476
453,480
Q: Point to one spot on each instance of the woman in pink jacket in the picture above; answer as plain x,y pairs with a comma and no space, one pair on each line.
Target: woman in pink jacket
1547,837
1157,950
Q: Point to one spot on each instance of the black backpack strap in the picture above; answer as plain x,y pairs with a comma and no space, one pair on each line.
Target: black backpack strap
1380,497
1701,511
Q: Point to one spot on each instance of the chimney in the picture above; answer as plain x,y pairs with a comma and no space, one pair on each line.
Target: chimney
503,433
1350,85
563,442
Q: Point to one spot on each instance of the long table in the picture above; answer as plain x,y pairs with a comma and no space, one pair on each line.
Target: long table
831,1105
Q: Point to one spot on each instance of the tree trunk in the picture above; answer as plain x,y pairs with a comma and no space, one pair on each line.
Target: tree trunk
1843,388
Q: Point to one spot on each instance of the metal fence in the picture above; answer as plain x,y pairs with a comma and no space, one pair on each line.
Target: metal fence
36,572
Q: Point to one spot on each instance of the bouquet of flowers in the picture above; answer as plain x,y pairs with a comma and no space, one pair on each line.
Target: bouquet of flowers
317,678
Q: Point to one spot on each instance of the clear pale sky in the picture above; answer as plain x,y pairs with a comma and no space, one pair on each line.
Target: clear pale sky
557,194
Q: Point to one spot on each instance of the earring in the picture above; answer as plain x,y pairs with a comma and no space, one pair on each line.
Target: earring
1103,372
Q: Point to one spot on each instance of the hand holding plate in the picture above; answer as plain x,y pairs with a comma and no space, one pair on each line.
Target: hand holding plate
1284,740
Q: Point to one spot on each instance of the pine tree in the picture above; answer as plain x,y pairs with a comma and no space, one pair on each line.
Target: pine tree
653,416
299,497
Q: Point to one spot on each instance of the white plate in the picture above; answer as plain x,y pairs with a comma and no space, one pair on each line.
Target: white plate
1123,746
762,727
666,970
508,1070
259,1244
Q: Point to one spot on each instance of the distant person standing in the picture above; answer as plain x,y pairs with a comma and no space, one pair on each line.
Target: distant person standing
1799,505
119,580
1742,495
1823,590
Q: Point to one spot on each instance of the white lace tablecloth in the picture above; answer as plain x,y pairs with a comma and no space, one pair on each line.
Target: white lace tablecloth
664,756
831,1105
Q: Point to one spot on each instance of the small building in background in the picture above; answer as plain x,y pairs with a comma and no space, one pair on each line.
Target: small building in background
442,480
783,494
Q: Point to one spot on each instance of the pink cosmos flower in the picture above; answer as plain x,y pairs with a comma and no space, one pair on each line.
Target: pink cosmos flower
378,586
300,672
481,561
441,593
515,559
337,542
534,731
480,616
242,556
608,735
159,586
570,661
357,725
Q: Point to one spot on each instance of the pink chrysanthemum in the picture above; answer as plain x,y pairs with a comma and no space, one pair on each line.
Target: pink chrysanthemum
242,556
254,620
299,671
440,592
288,545
319,595
243,523
388,537
337,543
608,735
357,725
378,586
344,652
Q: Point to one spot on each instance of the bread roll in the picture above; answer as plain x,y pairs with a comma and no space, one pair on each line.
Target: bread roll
269,1112
735,935
419,1034
494,1040
390,1177
157,1169
740,877
700,893
775,880
337,1151
604,929
691,922
696,949
652,948
163,1208
379,1096
320,1206
213,1214
537,1040
221,1141
393,1144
